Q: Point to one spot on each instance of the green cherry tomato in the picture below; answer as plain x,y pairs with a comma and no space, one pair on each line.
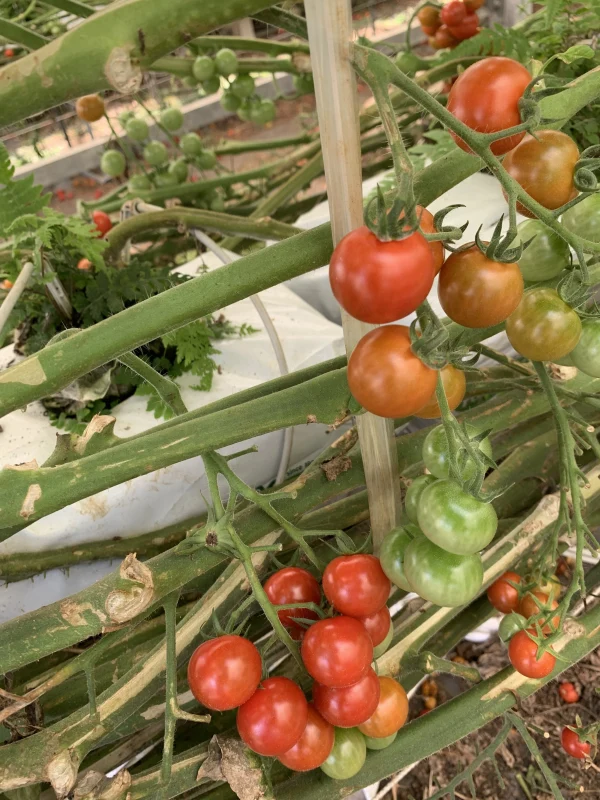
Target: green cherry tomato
442,578
510,624
124,117
435,453
243,86
171,119
203,68
304,83
139,183
347,756
586,353
543,327
136,129
381,648
212,85
155,153
190,82
413,494
546,256
166,179
380,744
584,218
263,112
230,102
206,160
113,163
191,144
179,170
391,556
455,520
226,61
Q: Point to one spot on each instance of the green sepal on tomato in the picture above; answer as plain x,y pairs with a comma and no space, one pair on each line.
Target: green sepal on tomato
442,578
436,453
543,327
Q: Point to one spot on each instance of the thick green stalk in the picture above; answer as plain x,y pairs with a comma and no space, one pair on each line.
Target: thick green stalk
269,46
72,6
280,18
19,34
234,148
128,37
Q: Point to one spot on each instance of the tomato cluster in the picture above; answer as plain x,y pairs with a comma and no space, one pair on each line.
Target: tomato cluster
452,23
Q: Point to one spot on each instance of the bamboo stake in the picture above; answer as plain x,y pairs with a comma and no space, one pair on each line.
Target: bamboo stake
330,33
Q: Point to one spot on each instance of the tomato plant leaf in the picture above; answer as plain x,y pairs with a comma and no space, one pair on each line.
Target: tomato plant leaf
576,53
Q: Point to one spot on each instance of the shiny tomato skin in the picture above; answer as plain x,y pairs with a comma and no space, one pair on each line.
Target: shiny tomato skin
504,597
584,218
356,585
274,718
377,625
392,556
378,281
442,578
543,327
543,165
391,712
337,652
386,377
466,28
429,17
102,222
351,705
486,96
90,107
572,744
437,458
413,495
546,256
347,756
427,226
455,386
477,292
313,747
529,608
293,585
453,13
586,353
522,652
223,673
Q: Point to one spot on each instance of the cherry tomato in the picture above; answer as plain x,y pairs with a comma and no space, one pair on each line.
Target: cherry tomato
391,556
90,107
455,386
584,218
523,655
442,578
380,744
455,520
378,281
511,624
191,144
427,226
572,744
466,28
84,264
347,756
386,377
356,585
274,718
413,495
391,712
436,456
486,96
543,327
243,86
349,706
224,672
155,153
102,222
473,5
337,652
504,597
313,747
203,68
586,353
546,256
549,585
136,129
429,30
9,52
477,292
113,163
529,608
171,119
377,625
429,17
543,165
293,585
568,692
443,38
453,13
6,285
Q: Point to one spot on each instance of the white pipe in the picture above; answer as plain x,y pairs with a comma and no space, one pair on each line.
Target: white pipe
10,301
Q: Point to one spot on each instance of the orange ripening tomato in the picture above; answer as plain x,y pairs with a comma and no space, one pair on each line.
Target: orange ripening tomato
455,386
90,107
386,377
391,712
443,38
84,264
429,17
6,285
486,98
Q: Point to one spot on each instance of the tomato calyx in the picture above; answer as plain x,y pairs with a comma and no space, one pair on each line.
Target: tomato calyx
453,231
586,741
502,247
389,225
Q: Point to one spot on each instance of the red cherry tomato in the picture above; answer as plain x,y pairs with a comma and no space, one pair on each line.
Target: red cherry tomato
523,652
224,672
293,585
378,281
568,692
9,52
337,652
313,747
573,745
98,194
486,96
443,38
349,706
466,28
429,30
453,13
377,625
356,585
502,595
529,608
102,222
391,712
272,721
386,377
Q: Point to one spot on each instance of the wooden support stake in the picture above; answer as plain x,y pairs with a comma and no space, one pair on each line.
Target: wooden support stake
330,34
